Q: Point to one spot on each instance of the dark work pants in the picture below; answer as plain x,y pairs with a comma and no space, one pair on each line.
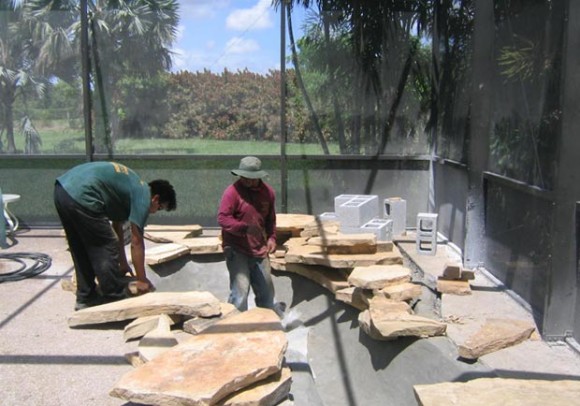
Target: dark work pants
94,249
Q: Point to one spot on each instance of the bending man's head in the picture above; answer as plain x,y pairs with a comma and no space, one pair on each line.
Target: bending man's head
166,193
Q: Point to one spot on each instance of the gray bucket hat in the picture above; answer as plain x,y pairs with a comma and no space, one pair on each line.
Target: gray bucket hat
251,168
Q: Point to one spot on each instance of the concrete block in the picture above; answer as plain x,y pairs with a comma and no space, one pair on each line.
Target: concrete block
382,228
395,208
341,199
426,233
358,210
328,216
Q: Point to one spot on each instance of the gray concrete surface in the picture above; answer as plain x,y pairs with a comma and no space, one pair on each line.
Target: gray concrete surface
43,362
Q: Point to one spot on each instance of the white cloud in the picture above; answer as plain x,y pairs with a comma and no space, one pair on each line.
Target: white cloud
201,9
254,18
238,45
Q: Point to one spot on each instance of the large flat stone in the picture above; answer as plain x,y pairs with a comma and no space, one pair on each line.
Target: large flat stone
270,391
232,354
498,391
165,252
331,279
494,335
345,244
202,304
379,276
312,255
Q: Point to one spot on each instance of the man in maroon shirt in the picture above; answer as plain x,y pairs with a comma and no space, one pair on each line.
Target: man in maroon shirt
247,218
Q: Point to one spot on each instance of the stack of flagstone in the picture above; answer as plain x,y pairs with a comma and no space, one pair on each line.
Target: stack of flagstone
177,241
360,271
455,280
232,359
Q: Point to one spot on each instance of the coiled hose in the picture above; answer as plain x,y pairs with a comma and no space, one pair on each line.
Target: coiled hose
32,264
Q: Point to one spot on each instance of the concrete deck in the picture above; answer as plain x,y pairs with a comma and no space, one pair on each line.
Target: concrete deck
44,362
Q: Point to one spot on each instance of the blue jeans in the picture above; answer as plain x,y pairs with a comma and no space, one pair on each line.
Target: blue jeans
246,271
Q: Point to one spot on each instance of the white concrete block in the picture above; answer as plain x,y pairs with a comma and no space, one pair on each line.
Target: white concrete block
341,199
395,208
426,239
328,216
382,228
358,210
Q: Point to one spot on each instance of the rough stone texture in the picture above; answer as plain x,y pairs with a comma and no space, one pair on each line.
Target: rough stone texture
165,252
454,287
394,325
157,341
308,254
270,391
344,244
451,271
331,279
292,224
379,276
494,335
402,291
171,233
356,297
185,303
202,245
467,275
141,326
321,228
232,354
498,391
196,325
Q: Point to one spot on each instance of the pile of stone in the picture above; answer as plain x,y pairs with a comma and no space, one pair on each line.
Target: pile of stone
455,280
231,358
360,271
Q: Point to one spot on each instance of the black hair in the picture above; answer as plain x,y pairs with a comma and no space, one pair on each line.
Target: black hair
165,191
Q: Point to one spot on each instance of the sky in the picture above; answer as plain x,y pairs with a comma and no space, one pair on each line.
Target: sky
233,34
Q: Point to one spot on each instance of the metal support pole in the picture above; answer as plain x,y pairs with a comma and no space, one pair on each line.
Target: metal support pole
86,78
283,127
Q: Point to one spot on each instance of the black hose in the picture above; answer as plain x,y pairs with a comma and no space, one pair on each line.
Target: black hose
40,263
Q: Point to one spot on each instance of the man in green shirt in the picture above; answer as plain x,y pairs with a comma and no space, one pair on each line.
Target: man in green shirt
88,198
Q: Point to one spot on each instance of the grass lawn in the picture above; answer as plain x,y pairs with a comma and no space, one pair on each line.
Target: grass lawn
58,138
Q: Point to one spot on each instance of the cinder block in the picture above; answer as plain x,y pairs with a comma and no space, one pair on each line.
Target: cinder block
328,216
395,208
427,223
358,210
341,199
427,233
382,228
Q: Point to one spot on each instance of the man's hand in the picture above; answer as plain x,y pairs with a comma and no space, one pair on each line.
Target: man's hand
141,287
271,246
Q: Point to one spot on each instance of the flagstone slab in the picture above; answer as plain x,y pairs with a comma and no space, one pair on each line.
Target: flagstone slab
164,253
185,303
494,335
270,391
321,228
202,245
402,291
157,341
453,287
313,255
196,325
331,279
293,223
394,325
379,276
344,244
356,297
230,355
500,391
141,326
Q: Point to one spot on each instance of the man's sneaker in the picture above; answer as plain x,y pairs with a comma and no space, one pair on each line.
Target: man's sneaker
280,308
85,304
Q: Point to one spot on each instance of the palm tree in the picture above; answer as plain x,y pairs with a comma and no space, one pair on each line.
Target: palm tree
40,39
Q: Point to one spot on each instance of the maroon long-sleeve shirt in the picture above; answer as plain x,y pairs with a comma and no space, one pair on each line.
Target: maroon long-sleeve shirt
241,207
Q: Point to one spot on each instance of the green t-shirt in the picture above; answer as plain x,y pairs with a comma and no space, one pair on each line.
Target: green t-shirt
110,189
